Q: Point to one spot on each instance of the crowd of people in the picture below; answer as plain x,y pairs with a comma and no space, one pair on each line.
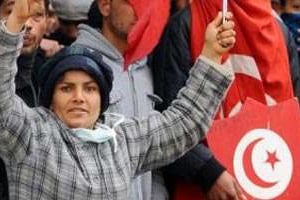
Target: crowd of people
78,123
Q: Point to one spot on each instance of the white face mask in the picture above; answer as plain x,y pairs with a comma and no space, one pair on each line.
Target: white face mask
101,134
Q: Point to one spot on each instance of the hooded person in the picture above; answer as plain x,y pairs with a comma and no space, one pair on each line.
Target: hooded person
58,151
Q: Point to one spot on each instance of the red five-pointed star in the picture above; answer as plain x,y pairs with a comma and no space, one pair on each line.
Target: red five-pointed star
272,159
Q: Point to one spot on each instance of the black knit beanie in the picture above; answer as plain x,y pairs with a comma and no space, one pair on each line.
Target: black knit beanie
74,58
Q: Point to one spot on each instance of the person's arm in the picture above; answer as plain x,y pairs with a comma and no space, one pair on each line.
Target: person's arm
15,116
165,136
168,135
170,63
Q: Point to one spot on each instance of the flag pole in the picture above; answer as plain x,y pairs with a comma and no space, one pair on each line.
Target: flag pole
224,10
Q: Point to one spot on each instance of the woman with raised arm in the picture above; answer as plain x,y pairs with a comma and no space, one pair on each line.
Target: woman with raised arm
68,149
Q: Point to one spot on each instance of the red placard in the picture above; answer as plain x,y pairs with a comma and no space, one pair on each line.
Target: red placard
260,146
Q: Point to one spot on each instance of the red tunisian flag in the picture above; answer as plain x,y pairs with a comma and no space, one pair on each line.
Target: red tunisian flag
259,59
152,17
261,148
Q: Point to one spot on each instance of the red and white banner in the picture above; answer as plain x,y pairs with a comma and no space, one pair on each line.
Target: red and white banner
260,146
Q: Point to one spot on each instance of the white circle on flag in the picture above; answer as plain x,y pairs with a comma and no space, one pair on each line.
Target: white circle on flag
263,164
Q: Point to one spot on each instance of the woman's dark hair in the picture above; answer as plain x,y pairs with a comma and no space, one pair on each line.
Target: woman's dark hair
94,16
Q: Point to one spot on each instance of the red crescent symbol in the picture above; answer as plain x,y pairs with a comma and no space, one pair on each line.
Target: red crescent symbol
249,170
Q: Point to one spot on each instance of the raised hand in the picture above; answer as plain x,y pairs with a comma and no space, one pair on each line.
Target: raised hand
219,38
22,11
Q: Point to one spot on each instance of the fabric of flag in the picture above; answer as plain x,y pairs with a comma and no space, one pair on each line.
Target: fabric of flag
152,17
259,56
259,59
